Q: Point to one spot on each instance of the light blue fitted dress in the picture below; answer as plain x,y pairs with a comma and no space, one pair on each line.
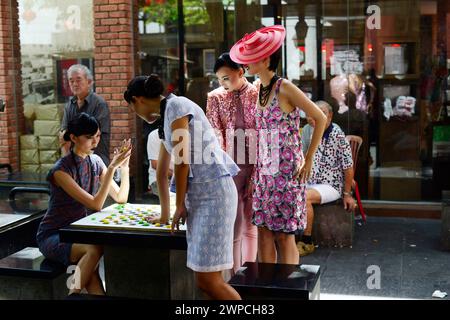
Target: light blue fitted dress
211,199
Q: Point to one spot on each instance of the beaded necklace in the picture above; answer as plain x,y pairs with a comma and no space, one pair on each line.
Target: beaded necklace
264,92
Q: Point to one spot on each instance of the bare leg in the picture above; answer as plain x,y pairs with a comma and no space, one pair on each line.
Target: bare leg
88,257
312,197
287,248
266,246
95,286
215,287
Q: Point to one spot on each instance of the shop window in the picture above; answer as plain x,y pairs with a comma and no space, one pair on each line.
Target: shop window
53,36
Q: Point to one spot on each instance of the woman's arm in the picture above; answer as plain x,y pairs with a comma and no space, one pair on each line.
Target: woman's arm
119,194
297,98
93,202
162,171
181,146
66,182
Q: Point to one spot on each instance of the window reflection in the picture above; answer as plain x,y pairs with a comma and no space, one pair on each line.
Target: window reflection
386,85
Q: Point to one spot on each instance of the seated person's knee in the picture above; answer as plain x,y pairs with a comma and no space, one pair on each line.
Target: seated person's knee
95,252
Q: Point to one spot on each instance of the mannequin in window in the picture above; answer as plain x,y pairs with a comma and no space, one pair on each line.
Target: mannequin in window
356,85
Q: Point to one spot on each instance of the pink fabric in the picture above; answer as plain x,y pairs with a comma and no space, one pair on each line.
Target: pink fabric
245,243
279,199
221,112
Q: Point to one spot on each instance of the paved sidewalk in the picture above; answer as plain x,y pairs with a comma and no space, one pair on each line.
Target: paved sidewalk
412,263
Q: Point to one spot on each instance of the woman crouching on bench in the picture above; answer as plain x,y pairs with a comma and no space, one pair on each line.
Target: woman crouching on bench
79,185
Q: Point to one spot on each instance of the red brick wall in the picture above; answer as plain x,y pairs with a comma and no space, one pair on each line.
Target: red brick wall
12,119
116,62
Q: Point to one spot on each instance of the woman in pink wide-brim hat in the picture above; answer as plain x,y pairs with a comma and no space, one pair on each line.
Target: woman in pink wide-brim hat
279,197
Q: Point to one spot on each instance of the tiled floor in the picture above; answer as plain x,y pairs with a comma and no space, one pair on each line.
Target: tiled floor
407,251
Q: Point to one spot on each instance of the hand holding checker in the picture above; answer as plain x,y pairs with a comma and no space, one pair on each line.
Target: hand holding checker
122,155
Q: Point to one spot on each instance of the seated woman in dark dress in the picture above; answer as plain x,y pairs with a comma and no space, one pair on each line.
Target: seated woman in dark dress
79,185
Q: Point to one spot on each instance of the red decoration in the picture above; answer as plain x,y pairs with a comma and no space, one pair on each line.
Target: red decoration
150,2
64,66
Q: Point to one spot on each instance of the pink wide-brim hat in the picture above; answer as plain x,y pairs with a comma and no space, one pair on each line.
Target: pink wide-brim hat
258,45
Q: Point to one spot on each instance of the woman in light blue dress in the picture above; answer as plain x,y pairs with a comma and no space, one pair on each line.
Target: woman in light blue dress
206,196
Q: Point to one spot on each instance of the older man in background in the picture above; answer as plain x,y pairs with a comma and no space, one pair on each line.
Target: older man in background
85,100
332,174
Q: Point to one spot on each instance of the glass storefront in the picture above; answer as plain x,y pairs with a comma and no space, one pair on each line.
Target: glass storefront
53,36
382,65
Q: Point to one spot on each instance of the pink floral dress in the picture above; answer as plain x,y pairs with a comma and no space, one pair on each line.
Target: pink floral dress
279,200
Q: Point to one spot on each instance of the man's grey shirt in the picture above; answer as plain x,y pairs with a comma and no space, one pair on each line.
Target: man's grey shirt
97,107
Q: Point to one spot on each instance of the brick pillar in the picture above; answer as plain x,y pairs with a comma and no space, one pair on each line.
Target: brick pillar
116,62
12,118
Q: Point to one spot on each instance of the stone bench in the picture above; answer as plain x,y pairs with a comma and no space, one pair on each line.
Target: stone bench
276,281
27,275
333,225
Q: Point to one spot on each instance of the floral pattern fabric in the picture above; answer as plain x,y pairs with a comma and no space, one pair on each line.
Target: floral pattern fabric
221,111
279,200
211,208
